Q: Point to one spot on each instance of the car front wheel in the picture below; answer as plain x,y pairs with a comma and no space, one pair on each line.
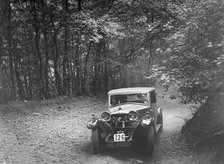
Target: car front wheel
150,141
96,141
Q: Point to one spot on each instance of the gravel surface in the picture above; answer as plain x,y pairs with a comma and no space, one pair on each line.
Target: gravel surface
54,131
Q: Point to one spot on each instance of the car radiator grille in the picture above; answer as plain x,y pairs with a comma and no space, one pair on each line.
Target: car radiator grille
121,123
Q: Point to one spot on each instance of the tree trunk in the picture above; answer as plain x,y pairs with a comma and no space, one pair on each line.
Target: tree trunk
65,57
77,68
41,84
56,72
85,69
46,89
58,81
105,79
21,92
11,66
27,97
38,53
46,77
97,77
30,78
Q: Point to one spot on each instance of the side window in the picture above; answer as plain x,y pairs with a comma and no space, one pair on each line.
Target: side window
153,97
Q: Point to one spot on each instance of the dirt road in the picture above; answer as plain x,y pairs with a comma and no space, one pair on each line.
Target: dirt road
54,131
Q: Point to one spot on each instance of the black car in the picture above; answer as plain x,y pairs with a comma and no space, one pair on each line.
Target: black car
133,119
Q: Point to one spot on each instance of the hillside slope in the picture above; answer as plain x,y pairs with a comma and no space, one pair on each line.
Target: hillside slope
205,131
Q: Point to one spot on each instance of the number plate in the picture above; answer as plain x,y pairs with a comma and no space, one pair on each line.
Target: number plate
119,137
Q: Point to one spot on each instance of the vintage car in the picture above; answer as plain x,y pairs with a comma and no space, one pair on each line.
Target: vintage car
133,119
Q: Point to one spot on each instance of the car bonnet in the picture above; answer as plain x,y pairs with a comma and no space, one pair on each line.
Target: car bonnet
126,108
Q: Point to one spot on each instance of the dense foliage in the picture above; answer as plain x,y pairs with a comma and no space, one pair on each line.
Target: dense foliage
62,47
196,52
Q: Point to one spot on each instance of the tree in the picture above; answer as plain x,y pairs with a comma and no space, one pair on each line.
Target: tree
195,53
61,47
5,11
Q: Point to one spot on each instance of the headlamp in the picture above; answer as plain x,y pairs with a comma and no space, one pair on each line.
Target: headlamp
133,115
105,116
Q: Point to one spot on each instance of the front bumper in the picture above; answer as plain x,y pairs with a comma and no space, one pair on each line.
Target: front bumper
108,132
112,144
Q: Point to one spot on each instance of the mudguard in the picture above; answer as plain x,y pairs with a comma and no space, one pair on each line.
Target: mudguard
104,126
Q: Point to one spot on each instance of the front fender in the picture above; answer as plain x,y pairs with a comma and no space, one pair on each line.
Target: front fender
97,123
105,127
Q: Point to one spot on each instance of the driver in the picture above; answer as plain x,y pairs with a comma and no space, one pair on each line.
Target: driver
142,97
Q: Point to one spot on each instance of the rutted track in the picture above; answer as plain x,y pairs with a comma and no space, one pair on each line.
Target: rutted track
54,131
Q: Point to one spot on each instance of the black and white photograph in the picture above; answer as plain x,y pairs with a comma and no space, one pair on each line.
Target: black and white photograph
111,81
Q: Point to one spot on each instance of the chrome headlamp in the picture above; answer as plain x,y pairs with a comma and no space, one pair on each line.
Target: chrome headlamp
132,115
105,116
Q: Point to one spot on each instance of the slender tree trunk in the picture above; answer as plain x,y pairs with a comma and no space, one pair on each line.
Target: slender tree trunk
65,57
77,67
105,78
30,78
5,88
97,77
11,66
56,72
18,79
72,68
46,77
27,97
46,89
40,69
78,81
85,68
58,80
38,53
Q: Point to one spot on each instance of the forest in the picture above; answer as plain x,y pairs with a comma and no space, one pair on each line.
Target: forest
51,48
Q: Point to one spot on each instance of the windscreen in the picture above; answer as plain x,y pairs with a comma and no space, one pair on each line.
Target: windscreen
128,98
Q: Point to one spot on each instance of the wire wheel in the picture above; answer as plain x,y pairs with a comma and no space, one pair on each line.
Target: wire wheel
96,141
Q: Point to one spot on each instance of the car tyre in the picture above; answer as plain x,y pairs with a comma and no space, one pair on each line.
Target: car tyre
96,141
150,141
